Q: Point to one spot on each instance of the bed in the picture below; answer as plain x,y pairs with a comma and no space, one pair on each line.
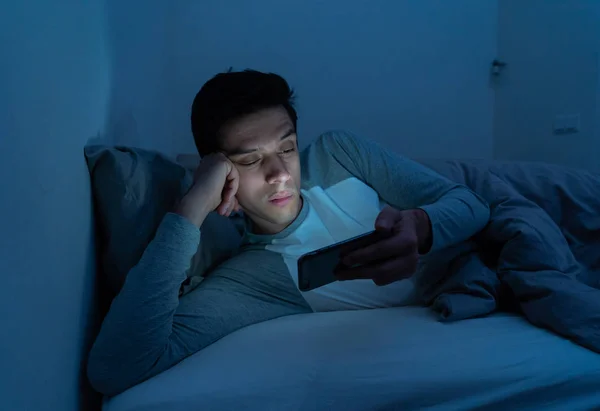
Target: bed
383,359
460,355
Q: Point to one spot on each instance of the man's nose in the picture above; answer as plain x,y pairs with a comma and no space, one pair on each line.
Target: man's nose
277,172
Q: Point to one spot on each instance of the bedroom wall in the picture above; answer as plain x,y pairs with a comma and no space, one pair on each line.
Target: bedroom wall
413,75
553,53
140,36
53,97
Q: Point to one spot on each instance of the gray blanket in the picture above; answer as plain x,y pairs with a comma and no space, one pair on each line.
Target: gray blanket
539,254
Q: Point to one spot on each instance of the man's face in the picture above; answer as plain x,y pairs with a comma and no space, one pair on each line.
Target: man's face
264,149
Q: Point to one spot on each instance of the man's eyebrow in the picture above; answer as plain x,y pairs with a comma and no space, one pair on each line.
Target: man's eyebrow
240,151
288,133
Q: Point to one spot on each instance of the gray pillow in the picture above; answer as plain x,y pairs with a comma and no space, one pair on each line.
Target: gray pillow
133,189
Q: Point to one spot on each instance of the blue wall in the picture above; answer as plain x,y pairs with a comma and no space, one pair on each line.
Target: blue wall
553,53
413,75
53,97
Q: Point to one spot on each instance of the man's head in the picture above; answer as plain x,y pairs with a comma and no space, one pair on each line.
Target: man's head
249,116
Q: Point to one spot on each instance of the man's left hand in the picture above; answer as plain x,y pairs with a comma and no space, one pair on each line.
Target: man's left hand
396,256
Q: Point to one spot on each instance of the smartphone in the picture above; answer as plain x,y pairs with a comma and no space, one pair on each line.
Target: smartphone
315,269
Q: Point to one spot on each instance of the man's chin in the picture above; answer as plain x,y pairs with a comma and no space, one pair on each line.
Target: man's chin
273,219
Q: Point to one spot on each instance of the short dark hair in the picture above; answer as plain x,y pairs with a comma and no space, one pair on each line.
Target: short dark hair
231,95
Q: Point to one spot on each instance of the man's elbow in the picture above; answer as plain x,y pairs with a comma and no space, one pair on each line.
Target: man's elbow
478,208
481,211
104,378
484,212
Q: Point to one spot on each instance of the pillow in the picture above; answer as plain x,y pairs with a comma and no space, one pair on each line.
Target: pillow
133,189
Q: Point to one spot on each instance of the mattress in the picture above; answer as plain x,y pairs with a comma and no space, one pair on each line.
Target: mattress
381,359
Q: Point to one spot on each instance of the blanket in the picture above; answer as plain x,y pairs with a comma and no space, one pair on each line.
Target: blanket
539,254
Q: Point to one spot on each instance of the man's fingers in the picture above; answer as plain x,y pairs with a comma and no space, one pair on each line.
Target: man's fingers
222,208
226,208
228,200
231,184
236,206
386,219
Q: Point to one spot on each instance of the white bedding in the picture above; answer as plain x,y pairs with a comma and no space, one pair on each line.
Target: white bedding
382,359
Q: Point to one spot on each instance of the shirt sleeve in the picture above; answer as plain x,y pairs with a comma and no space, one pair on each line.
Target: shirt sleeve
456,212
149,328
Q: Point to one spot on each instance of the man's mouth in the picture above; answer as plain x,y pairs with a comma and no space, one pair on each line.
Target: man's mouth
281,199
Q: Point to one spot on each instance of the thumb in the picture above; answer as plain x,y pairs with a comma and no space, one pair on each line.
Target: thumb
386,219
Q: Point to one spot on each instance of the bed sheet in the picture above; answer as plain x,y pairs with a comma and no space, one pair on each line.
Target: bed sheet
383,359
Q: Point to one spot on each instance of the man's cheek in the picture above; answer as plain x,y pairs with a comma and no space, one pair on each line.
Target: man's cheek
245,198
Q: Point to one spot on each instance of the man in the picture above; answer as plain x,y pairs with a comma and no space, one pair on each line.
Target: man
244,126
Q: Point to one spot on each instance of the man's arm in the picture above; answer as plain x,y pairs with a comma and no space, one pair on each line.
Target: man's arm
136,333
148,329
456,213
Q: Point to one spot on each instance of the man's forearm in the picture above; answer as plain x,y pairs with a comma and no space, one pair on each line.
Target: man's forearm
455,217
192,209
137,328
456,213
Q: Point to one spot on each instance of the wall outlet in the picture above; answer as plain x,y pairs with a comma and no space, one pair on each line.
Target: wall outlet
567,124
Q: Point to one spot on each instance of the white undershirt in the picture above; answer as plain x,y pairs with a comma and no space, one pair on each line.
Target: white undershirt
328,221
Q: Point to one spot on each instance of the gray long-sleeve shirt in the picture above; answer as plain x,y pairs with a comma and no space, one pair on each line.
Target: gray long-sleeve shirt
346,182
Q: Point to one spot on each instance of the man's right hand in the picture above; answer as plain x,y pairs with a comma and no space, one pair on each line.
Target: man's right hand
215,185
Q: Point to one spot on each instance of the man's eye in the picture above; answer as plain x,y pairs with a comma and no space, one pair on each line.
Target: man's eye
249,163
289,150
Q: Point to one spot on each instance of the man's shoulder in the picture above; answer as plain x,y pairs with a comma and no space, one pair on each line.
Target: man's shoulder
336,139
332,157
339,146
